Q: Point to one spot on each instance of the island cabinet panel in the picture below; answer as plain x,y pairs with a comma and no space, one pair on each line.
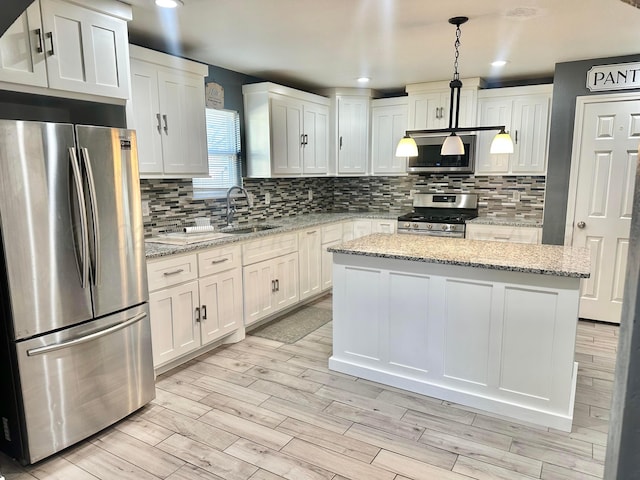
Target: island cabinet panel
410,332
498,340
467,331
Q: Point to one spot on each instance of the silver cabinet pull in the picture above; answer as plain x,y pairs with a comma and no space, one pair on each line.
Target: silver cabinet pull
40,47
86,338
159,123
222,260
49,35
198,314
173,272
312,232
581,225
166,125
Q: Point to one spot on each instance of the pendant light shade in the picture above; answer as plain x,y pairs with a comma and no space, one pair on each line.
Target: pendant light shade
407,147
452,145
502,143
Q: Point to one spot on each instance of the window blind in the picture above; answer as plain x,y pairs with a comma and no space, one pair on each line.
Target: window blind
223,149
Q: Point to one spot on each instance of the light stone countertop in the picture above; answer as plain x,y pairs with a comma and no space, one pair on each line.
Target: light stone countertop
283,225
505,221
516,257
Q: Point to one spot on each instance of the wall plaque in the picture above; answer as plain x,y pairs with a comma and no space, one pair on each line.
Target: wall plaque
621,76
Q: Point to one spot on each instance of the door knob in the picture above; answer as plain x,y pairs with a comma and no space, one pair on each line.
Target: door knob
581,225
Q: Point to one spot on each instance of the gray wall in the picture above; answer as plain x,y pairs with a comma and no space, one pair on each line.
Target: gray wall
569,82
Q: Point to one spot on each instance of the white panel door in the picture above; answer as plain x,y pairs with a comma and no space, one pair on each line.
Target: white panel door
86,51
183,125
286,136
221,304
258,291
530,119
388,126
315,151
310,263
286,277
22,50
353,135
604,195
174,331
492,111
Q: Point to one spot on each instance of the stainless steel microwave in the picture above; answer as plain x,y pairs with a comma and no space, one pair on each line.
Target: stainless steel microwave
429,159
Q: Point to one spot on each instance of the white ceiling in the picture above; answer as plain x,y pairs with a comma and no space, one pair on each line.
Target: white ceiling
330,43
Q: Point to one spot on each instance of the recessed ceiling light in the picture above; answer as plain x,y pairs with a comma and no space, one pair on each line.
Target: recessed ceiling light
499,63
169,3
363,80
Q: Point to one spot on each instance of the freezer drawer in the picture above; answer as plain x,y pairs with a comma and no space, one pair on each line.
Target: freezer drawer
80,380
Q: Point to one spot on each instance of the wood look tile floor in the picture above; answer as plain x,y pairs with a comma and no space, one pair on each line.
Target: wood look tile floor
263,410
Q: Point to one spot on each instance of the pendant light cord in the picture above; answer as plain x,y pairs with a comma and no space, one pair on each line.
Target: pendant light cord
456,46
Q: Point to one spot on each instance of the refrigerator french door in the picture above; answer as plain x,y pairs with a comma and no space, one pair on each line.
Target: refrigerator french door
76,344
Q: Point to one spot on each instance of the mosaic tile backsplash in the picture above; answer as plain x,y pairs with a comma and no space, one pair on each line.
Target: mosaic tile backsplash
172,205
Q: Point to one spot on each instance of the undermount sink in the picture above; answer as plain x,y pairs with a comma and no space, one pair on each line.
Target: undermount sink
248,229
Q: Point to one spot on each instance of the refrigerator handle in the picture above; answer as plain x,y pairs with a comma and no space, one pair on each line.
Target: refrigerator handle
94,215
84,247
87,338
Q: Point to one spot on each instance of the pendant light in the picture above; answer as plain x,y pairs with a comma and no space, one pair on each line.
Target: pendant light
453,144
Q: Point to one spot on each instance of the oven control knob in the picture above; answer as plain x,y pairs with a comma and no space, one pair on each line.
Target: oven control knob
429,226
407,225
452,228
444,227
415,225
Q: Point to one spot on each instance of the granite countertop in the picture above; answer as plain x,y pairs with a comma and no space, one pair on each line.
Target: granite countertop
517,257
505,221
282,225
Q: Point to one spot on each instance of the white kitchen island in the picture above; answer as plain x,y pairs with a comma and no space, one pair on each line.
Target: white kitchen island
489,325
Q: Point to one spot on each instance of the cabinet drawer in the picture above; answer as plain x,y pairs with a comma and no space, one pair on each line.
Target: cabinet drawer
171,271
331,233
500,233
269,247
219,260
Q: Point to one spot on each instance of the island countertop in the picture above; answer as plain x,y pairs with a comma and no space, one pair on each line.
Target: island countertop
517,257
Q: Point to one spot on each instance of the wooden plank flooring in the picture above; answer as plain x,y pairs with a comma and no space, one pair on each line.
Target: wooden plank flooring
263,410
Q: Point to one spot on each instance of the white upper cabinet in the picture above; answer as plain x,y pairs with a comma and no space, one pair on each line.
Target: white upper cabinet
167,109
389,121
286,131
429,104
352,134
65,47
526,113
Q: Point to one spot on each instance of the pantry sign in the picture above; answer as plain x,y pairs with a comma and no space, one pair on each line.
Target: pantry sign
621,76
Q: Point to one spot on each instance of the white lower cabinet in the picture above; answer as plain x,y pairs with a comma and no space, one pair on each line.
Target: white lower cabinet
188,312
504,233
310,262
331,235
361,227
270,275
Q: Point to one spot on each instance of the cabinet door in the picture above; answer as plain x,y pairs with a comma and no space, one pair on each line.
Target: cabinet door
221,304
494,111
174,330
259,291
353,135
310,261
184,133
427,110
388,126
286,136
361,228
143,115
530,120
327,264
22,50
315,150
286,277
86,51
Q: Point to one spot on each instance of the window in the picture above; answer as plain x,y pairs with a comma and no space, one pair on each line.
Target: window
223,148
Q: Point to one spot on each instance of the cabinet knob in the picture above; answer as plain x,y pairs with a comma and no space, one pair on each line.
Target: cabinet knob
581,225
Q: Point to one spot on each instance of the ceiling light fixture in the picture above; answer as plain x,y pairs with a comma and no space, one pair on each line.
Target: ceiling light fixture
453,145
169,3
363,80
498,63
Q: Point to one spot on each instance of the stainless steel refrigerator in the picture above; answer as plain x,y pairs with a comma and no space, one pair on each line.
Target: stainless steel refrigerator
75,352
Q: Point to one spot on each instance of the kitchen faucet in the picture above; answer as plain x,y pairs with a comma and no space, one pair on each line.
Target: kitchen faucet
231,204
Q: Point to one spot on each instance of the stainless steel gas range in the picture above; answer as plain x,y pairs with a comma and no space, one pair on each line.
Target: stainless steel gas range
438,214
